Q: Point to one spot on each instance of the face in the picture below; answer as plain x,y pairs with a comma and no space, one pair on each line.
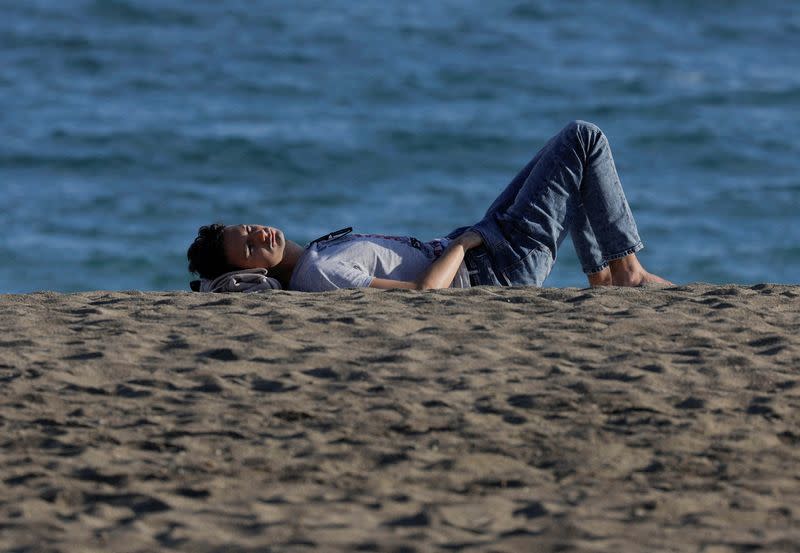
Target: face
253,246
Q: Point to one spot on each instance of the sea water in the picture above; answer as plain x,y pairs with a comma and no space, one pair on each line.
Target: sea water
126,124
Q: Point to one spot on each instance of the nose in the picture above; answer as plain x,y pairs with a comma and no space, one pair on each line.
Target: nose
263,234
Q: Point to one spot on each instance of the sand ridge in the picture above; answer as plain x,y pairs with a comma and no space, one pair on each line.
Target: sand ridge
364,420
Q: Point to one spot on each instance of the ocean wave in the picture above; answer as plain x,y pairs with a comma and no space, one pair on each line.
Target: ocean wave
147,12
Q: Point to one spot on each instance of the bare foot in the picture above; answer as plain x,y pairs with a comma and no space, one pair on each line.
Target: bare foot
601,278
629,272
642,278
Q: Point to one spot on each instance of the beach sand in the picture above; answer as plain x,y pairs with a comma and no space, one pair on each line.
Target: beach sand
364,420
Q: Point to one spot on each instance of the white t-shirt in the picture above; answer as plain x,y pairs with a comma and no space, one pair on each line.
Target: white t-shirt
352,261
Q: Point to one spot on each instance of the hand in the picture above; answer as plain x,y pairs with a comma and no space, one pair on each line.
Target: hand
469,239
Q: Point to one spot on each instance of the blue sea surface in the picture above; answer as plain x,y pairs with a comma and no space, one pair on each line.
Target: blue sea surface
126,124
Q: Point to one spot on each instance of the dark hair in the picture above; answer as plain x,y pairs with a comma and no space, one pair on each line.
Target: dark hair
207,253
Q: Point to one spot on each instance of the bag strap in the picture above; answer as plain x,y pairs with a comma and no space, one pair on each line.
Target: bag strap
335,234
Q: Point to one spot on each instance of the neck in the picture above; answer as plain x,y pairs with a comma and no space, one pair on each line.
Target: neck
283,270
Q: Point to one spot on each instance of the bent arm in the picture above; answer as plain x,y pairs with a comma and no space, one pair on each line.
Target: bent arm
440,273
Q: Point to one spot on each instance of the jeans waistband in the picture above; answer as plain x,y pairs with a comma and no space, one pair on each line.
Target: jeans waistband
472,269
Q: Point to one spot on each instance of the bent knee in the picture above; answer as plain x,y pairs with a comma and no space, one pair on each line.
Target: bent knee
578,126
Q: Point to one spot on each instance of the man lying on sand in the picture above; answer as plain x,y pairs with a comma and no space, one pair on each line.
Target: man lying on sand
571,185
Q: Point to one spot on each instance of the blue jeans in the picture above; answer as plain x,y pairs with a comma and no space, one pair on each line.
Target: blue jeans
571,185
